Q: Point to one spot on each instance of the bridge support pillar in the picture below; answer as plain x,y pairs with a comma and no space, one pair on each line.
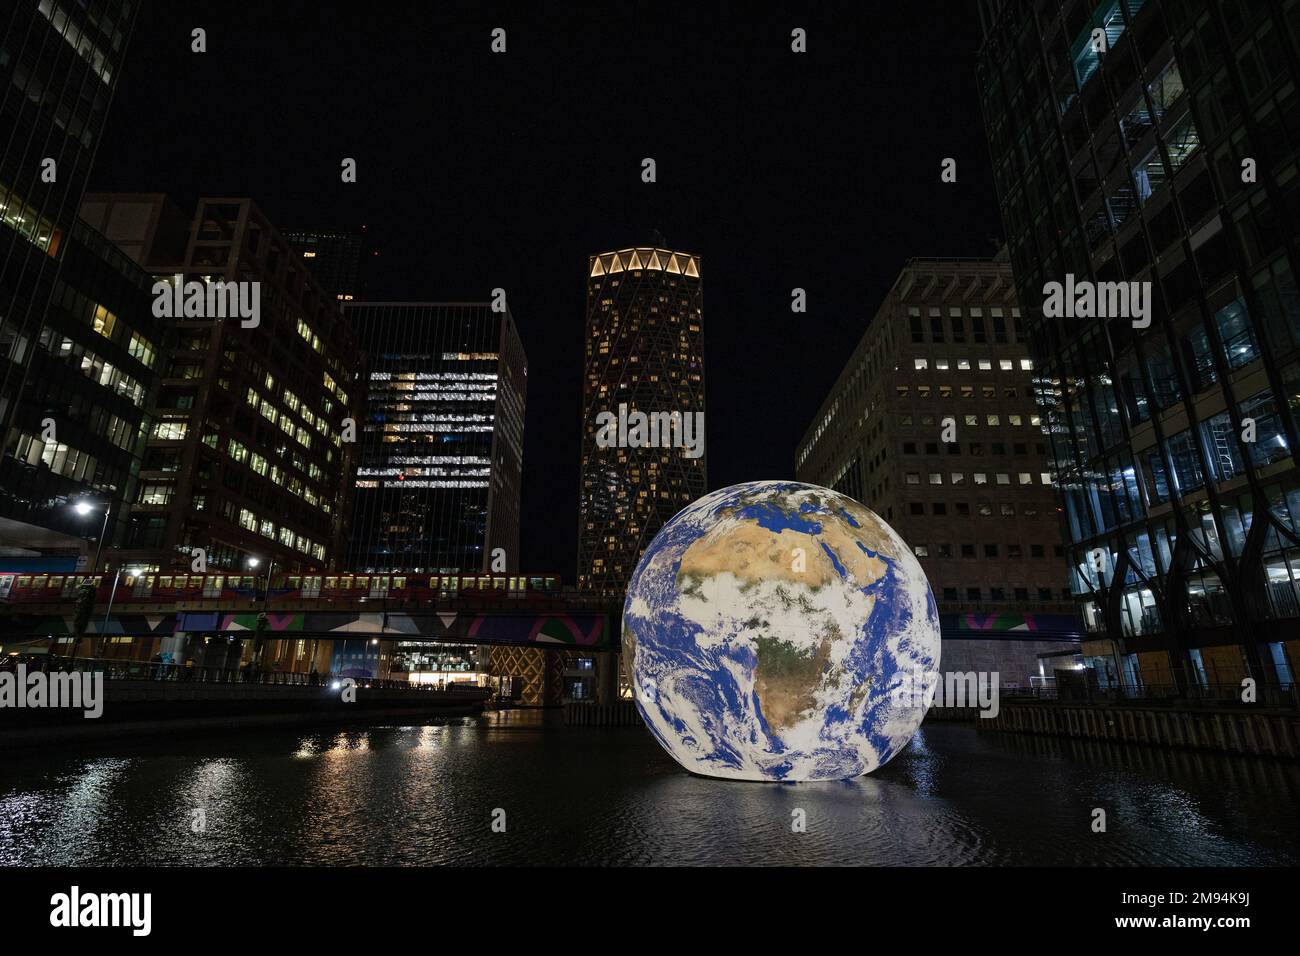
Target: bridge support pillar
607,677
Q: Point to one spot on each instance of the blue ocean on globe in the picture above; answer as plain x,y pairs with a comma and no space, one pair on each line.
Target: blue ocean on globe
780,631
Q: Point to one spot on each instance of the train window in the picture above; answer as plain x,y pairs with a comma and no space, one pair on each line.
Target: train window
212,585
165,581
295,582
331,583
311,586
499,583
56,581
24,581
550,584
39,581
399,583
345,581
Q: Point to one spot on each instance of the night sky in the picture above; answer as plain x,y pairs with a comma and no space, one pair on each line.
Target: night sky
477,170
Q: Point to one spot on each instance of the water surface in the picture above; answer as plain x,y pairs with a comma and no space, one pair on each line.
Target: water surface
426,794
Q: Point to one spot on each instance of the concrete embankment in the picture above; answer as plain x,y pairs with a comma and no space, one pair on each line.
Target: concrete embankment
143,707
1239,730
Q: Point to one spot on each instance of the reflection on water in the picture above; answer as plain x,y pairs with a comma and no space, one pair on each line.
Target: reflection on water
425,794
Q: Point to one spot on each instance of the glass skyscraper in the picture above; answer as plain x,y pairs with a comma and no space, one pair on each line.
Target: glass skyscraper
644,353
1158,142
439,474
76,338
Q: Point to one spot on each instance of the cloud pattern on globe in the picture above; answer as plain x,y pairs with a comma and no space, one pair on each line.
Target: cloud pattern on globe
752,665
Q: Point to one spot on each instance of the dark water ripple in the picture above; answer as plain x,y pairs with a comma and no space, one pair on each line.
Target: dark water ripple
421,795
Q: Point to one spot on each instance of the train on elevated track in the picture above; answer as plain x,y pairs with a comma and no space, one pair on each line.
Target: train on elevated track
399,588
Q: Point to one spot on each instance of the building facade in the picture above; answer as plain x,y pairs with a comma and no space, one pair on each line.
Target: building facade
335,258
246,456
933,425
644,353
441,443
1156,145
70,389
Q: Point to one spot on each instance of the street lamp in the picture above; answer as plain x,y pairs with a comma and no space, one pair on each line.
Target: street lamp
266,604
84,508
87,600
270,567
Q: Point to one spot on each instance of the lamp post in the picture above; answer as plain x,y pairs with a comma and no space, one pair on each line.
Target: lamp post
262,621
108,613
84,508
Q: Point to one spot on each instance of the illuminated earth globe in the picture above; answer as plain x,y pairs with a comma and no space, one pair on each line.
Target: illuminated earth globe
780,631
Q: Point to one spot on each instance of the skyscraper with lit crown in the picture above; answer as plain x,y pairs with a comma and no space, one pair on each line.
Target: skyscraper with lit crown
644,352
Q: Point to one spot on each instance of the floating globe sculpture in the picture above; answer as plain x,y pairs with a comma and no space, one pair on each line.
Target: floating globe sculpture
780,631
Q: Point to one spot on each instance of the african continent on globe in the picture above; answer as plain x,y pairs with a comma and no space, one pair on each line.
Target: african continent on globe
780,631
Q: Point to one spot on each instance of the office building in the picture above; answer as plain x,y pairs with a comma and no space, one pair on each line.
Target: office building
70,388
1151,151
246,455
644,354
441,442
335,258
933,425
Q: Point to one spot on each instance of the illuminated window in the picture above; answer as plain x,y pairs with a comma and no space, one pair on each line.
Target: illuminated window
141,350
105,322
169,431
